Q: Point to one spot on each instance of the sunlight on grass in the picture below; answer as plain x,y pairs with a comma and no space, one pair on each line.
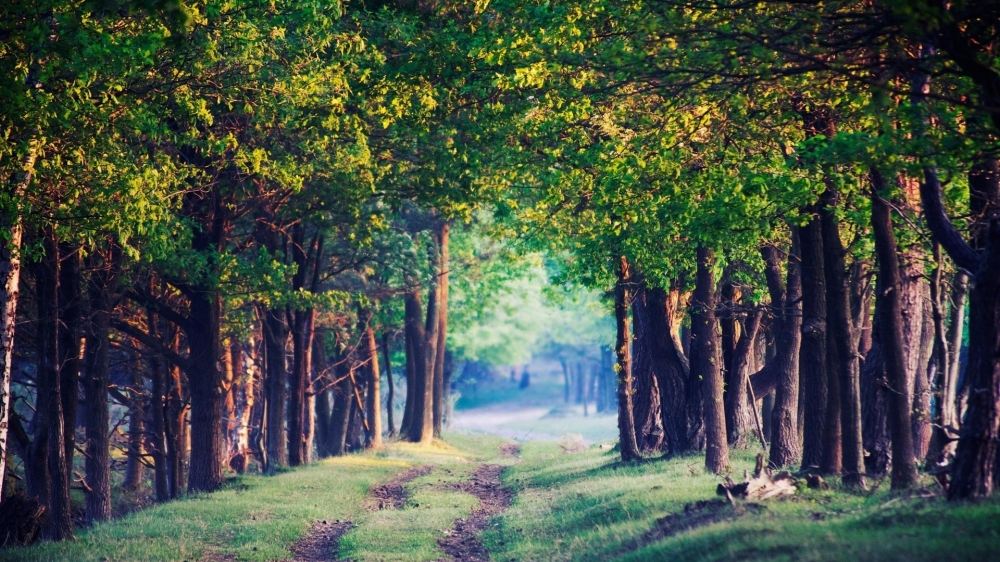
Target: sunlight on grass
587,506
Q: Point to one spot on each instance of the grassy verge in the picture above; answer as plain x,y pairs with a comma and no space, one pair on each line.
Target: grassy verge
585,506
258,518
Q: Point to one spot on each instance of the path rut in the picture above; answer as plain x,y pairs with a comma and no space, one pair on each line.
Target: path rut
322,543
463,542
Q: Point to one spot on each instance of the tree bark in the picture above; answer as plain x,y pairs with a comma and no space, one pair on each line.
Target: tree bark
134,469
647,411
874,405
10,275
972,473
157,414
421,423
942,447
70,335
390,395
844,364
275,341
786,300
739,415
343,396
670,366
205,381
48,475
176,423
373,404
104,265
812,356
629,448
440,390
705,362
904,470
322,391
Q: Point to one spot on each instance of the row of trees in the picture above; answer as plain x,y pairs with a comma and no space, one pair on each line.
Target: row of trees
779,197
819,177
213,217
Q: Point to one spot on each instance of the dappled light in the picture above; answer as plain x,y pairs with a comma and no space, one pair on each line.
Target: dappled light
424,280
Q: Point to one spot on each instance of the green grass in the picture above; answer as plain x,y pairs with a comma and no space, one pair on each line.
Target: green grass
411,533
258,518
581,506
586,506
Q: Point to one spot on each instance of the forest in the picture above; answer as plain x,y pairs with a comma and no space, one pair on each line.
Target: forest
262,254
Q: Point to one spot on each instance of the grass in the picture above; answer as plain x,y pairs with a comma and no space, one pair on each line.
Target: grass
580,506
257,518
586,506
411,533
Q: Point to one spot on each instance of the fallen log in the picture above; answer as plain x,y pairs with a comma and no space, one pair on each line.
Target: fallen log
764,485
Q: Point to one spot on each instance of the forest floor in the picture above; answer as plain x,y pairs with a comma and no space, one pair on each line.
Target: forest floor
482,497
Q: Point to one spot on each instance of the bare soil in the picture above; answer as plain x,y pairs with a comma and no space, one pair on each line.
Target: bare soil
322,542
697,514
392,494
510,449
462,543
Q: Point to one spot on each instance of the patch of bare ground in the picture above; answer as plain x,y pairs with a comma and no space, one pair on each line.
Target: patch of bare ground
462,543
392,494
695,515
322,542
510,450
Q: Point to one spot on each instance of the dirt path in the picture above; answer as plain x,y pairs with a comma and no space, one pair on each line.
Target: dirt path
323,541
463,542
392,494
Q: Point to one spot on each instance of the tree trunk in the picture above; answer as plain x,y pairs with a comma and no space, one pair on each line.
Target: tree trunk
373,404
70,334
972,472
410,353
104,265
705,363
298,382
48,475
942,447
417,385
440,390
786,299
10,275
321,383
157,416
449,368
628,446
205,381
739,416
356,423
812,355
976,455
844,361
176,423
874,405
390,395
258,409
343,396
646,406
566,381
904,470
275,340
861,304
134,469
